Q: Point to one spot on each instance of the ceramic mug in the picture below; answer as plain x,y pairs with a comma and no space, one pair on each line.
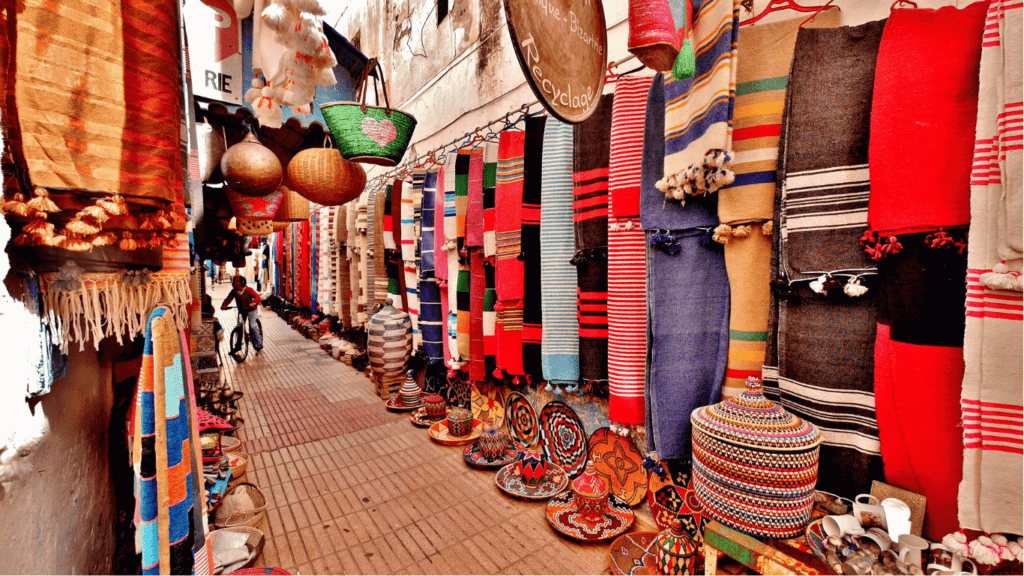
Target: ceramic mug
840,526
897,517
879,537
869,511
912,548
942,559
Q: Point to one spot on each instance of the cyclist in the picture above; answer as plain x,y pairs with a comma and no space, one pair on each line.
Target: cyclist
248,302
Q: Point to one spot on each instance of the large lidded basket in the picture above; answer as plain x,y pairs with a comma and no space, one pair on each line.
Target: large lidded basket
755,465
388,345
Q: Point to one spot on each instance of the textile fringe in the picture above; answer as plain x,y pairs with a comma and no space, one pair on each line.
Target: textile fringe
104,306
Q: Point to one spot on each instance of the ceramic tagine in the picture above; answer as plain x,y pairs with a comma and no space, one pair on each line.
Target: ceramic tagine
590,494
460,422
435,406
676,551
755,465
492,442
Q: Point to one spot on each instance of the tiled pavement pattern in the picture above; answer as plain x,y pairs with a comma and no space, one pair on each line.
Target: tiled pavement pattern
355,489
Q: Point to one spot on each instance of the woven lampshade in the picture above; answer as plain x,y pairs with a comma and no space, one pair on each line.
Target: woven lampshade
294,208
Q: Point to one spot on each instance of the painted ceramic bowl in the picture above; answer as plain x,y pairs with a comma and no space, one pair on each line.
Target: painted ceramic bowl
435,406
533,467
460,422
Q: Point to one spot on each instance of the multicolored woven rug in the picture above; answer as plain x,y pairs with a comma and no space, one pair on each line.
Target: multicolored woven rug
531,248
508,265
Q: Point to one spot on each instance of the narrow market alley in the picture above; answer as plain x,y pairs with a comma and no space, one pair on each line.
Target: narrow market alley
353,488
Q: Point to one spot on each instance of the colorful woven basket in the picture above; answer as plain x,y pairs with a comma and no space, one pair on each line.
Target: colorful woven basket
323,176
388,345
369,134
294,208
755,465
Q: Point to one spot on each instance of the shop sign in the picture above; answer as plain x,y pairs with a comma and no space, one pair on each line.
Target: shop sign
215,60
562,47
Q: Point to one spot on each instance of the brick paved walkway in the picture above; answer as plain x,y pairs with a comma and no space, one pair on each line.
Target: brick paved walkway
355,489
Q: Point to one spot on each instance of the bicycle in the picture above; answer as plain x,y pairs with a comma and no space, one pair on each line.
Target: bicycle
240,337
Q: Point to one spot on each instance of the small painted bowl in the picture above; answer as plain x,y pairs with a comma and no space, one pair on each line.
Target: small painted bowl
533,467
435,406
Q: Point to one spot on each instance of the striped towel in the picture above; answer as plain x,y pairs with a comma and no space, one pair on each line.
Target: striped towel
426,249
627,264
991,401
591,145
304,266
698,111
343,290
532,293
430,319
817,372
388,230
411,199
918,349
463,322
477,291
490,182
462,162
508,226
687,302
561,332
475,200
311,250
360,259
452,258
490,319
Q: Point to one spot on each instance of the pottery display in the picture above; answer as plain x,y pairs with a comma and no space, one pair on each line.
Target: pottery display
460,422
492,442
565,518
510,481
435,407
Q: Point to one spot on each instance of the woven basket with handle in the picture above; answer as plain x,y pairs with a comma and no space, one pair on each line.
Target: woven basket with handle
324,177
369,134
239,512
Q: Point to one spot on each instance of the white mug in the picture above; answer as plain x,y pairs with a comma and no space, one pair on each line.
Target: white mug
897,517
868,511
912,548
942,559
840,526
880,537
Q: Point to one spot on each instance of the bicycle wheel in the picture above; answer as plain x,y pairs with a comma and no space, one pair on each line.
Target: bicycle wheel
239,346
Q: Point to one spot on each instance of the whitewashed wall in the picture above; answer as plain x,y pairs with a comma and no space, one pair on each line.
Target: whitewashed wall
464,73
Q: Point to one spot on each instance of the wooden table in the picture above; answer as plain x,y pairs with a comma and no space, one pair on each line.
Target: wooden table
774,557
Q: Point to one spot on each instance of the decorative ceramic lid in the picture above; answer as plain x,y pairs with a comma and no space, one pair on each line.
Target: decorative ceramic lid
589,484
460,415
433,399
754,421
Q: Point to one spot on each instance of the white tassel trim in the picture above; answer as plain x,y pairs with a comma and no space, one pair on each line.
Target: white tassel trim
854,288
1000,278
104,306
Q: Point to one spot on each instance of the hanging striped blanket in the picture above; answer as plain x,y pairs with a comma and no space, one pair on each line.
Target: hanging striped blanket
490,182
561,331
427,217
411,200
687,300
462,163
170,514
370,251
344,280
312,250
391,241
920,319
698,111
463,326
591,140
508,224
360,292
477,290
532,292
475,202
380,270
305,266
818,373
452,258
627,264
440,236
991,401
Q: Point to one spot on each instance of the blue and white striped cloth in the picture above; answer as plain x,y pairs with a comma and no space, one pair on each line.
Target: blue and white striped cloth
561,329
427,230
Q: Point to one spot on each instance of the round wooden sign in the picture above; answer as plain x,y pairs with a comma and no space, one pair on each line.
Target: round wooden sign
562,46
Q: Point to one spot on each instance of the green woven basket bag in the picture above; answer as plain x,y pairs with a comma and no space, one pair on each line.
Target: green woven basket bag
369,134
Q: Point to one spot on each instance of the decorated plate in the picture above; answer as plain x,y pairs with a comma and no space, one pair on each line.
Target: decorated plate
475,458
395,404
522,420
487,403
419,418
563,517
563,437
672,494
439,432
509,482
633,553
816,537
617,459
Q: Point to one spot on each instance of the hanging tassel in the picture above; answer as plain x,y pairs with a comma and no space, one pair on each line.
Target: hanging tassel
767,228
81,227
685,65
516,381
741,231
855,288
548,387
722,234
498,374
1000,278
42,201
629,224
666,243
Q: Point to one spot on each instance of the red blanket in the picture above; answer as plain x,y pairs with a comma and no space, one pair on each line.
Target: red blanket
923,112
